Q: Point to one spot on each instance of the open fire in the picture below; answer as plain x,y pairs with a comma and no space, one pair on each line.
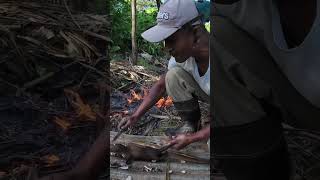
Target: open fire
162,102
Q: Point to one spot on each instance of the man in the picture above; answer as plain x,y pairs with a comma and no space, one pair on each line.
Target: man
266,71
188,78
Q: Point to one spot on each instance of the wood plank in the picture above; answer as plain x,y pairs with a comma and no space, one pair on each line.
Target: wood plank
185,170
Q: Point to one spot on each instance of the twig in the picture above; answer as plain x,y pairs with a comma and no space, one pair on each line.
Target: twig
147,122
10,84
303,149
164,117
93,68
66,5
149,128
44,77
133,70
89,71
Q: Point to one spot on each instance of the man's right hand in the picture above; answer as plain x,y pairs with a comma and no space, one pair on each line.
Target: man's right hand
128,121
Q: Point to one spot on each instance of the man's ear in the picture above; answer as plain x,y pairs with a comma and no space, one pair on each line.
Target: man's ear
197,34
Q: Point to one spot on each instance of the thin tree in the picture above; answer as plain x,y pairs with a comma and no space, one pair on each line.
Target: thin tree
133,32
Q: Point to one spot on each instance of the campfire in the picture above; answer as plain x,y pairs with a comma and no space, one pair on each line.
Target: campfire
162,102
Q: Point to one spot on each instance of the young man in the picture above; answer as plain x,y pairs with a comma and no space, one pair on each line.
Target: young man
188,78
266,71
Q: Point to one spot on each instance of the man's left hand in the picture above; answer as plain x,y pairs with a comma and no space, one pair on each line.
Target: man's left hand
181,141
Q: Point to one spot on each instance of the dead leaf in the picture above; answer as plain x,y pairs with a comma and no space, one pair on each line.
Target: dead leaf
63,123
50,159
129,101
145,92
135,96
84,111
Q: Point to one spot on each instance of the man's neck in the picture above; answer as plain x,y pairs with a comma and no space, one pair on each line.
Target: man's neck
202,63
202,53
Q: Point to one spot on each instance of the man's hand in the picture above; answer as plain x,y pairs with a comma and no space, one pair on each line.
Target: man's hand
128,121
181,141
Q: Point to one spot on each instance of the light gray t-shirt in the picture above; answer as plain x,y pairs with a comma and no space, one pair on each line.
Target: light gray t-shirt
191,67
301,64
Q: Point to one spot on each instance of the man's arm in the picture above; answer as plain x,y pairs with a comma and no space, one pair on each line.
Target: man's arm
182,140
155,93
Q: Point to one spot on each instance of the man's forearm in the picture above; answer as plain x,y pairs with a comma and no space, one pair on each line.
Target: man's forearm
155,93
203,134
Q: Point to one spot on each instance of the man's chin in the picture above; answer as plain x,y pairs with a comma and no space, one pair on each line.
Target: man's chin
180,59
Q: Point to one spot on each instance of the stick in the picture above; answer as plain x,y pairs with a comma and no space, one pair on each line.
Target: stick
44,77
65,4
164,117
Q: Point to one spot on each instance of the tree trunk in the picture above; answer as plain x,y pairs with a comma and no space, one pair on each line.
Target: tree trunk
133,32
158,4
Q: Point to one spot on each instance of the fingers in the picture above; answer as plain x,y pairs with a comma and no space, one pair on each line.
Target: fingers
123,124
127,125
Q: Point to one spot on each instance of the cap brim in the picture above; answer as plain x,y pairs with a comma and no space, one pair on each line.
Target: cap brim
158,33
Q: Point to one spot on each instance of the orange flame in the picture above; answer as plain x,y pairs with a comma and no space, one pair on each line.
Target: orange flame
161,102
169,101
134,97
165,102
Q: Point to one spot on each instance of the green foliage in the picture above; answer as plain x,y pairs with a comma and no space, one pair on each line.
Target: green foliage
121,26
207,26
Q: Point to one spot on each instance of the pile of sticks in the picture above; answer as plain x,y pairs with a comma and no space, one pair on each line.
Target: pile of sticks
54,84
40,41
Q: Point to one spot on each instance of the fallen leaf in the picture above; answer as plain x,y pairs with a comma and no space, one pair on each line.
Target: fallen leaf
63,123
135,96
129,101
145,92
84,111
50,159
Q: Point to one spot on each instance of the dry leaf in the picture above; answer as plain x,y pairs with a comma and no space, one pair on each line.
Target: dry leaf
129,101
50,159
63,123
84,111
135,96
145,92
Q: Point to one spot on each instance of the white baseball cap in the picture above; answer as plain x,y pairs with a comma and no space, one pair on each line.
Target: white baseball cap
172,15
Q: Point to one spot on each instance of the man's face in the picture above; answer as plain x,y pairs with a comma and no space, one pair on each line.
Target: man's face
179,45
